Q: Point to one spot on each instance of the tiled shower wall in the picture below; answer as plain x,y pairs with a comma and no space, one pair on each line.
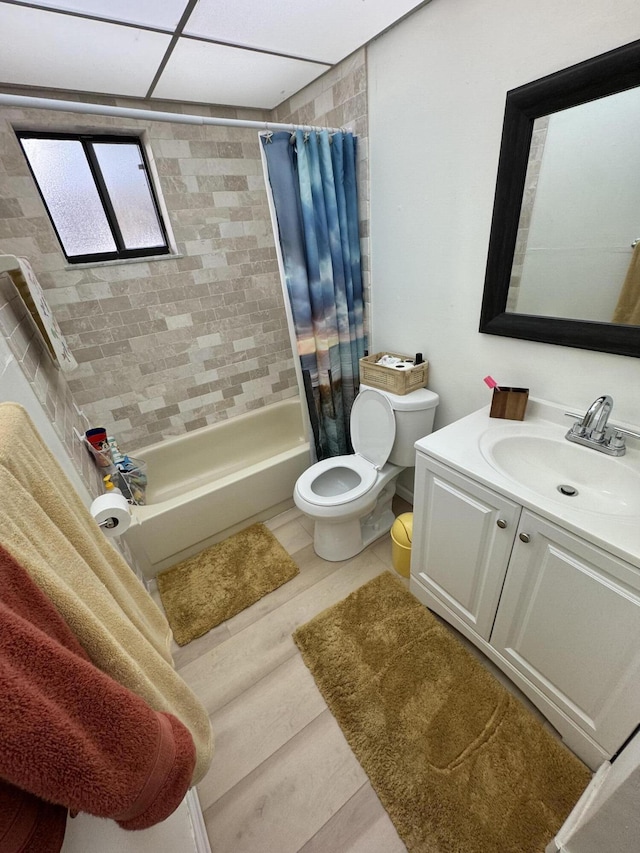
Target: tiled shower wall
536,152
166,346
48,383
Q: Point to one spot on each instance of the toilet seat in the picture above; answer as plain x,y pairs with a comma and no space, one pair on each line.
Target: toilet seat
361,469
342,479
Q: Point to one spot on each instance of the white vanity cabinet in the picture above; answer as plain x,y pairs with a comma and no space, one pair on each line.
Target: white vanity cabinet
560,616
462,540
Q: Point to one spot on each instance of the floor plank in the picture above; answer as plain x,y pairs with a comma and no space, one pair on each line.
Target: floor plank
361,826
291,534
226,671
287,799
252,727
283,778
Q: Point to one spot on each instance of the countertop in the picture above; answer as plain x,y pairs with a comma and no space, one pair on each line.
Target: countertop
459,446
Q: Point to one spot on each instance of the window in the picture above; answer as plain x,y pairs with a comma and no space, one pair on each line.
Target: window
98,195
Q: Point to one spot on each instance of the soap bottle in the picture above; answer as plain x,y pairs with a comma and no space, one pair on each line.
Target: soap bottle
109,487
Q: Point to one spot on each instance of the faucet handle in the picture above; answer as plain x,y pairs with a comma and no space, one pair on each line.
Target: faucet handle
620,431
576,427
616,439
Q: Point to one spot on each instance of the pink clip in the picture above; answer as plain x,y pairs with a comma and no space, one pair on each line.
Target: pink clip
491,382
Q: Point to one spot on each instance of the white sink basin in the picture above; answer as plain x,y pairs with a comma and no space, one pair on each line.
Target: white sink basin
527,460
540,459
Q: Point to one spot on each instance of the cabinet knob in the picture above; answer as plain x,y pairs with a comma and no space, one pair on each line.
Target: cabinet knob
524,537
501,523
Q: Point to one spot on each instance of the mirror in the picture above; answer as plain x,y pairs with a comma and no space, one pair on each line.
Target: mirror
566,214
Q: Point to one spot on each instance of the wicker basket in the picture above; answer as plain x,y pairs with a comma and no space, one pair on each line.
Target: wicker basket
389,378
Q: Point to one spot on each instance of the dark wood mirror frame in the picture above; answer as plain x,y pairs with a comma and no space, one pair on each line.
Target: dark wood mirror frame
603,75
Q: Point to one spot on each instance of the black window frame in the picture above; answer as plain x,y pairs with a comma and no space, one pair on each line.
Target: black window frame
87,140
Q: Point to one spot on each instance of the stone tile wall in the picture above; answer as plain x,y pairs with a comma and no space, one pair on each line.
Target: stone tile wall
538,140
52,391
166,346
49,384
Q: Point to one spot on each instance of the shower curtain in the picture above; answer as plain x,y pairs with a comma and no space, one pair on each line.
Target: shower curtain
313,184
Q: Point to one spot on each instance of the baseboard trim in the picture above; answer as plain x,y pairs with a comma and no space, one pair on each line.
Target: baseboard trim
405,493
582,809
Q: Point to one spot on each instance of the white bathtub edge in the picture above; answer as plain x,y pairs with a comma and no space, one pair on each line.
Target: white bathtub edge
152,570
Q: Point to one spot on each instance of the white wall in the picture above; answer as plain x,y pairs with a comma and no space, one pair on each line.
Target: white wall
606,816
437,87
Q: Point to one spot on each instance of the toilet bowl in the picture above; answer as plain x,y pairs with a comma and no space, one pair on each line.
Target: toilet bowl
349,497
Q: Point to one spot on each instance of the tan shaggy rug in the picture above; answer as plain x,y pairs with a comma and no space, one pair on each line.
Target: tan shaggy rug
458,763
203,591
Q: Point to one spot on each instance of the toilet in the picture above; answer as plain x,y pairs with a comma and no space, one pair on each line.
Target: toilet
349,497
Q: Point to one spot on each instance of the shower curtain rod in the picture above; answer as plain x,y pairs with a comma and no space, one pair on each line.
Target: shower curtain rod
148,115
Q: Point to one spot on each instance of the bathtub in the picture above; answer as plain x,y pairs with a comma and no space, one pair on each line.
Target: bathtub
214,481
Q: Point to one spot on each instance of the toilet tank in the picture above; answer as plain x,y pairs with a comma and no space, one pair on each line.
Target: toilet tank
414,414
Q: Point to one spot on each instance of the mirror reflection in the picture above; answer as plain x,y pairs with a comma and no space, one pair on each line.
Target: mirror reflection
577,251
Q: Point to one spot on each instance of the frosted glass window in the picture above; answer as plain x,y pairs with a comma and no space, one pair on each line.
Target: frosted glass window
126,180
98,194
63,174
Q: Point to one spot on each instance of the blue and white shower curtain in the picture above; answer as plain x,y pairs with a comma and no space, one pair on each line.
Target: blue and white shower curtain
313,183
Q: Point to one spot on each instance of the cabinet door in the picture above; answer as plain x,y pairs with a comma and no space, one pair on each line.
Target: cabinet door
569,621
463,535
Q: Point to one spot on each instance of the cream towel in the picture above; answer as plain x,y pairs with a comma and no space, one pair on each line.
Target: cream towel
49,531
628,307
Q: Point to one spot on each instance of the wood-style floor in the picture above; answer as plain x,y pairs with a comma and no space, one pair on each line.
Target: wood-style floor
283,778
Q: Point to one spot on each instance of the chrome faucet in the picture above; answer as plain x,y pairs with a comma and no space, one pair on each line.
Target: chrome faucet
593,429
597,412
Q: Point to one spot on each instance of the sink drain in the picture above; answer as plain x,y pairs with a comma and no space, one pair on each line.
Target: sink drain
569,491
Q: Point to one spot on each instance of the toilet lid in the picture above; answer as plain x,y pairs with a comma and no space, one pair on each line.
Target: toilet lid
373,427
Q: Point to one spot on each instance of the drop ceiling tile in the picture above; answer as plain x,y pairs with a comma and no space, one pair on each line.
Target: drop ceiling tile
41,48
151,13
217,74
325,30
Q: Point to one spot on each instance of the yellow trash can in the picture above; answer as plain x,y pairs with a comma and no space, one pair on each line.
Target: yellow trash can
401,536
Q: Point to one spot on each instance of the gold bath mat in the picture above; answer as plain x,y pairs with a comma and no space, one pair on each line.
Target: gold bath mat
458,763
203,591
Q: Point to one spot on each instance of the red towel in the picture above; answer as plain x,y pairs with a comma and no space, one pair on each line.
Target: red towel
72,736
29,825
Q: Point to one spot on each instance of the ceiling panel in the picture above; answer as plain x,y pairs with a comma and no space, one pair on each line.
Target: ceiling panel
287,44
217,74
151,13
326,30
44,49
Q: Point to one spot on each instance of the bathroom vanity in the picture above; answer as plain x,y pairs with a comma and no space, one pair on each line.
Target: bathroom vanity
530,547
